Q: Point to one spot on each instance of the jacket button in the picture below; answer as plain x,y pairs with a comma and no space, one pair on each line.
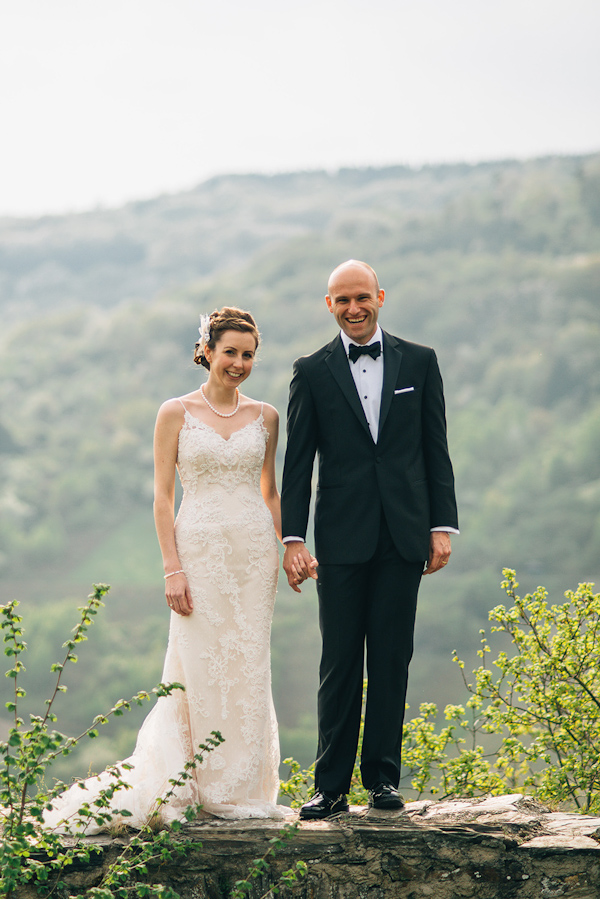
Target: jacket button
378,459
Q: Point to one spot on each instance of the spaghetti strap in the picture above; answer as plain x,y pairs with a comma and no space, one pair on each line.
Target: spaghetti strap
182,403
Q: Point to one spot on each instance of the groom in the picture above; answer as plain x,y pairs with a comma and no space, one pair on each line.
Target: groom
371,406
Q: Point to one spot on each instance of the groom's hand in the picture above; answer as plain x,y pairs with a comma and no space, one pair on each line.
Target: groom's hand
439,551
298,564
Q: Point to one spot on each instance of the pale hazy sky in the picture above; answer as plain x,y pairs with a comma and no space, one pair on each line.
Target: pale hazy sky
103,101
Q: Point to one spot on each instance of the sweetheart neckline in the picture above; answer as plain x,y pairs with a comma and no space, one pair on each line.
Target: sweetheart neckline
259,418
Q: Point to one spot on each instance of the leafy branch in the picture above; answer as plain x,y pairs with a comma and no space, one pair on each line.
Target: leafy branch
541,704
30,850
261,866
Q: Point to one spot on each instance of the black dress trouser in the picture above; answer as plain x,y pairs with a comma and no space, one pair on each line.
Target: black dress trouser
374,604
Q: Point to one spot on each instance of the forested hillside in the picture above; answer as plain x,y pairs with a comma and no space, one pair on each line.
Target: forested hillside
495,265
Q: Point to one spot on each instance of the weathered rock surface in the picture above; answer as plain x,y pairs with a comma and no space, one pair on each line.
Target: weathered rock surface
495,848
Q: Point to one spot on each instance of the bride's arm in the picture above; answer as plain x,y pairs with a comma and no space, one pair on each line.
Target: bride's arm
268,484
166,435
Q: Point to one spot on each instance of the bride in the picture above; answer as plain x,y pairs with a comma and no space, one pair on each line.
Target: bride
221,561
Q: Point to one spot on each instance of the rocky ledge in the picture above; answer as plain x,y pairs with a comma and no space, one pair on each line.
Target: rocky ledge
493,848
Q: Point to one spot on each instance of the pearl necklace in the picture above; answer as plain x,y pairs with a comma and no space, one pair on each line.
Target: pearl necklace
212,408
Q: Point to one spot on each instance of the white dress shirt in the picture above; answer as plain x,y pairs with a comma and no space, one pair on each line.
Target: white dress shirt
368,377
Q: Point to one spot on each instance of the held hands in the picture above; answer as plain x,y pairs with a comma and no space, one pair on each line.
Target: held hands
298,564
439,551
177,594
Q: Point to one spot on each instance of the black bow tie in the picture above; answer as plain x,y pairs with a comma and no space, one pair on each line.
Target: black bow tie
372,349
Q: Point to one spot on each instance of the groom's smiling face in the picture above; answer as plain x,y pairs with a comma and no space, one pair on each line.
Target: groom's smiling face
355,300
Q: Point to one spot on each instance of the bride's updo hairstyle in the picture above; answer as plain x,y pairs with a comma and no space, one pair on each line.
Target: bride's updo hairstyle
213,326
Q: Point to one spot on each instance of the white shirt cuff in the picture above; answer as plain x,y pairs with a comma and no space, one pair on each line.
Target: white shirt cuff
446,530
293,540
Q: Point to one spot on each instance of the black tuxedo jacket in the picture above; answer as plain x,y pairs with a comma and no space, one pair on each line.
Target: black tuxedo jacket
407,473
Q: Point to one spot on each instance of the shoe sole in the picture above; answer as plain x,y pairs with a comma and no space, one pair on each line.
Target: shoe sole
318,817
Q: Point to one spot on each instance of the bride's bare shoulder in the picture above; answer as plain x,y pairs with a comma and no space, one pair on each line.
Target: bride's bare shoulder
270,414
179,403
172,409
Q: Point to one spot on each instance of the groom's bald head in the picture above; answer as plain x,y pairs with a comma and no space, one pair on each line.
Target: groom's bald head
349,264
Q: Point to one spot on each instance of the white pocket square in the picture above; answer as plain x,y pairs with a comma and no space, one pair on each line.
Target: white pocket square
403,390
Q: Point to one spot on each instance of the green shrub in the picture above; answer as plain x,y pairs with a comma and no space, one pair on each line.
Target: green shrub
532,720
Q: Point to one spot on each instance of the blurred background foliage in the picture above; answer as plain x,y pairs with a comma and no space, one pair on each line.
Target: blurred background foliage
496,265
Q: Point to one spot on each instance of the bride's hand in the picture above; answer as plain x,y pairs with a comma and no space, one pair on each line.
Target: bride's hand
298,564
177,594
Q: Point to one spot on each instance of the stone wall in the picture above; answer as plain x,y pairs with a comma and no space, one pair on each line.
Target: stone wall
496,848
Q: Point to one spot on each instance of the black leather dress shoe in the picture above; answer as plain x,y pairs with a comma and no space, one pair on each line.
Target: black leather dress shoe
385,796
323,805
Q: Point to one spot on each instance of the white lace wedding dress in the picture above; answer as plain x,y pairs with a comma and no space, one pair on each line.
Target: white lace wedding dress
220,653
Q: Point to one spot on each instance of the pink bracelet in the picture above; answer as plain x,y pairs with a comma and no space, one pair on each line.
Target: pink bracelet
171,573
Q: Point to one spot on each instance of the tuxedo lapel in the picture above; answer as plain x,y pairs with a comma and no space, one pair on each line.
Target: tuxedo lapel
337,362
392,357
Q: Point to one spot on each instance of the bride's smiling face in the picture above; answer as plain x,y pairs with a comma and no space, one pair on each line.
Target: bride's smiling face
232,359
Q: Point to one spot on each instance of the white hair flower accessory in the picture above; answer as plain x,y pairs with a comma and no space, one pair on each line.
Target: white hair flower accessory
204,331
